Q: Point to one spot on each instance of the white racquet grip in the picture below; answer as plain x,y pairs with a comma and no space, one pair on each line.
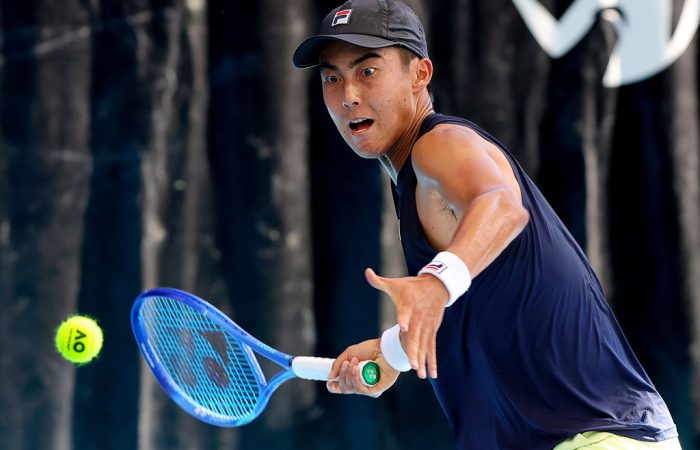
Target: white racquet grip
312,368
452,272
318,369
392,351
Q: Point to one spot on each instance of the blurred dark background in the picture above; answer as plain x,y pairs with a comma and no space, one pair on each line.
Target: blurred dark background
171,143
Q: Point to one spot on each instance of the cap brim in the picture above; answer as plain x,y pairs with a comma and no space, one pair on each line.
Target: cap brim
308,52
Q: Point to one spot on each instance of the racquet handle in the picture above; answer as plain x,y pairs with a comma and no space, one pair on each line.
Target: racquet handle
318,369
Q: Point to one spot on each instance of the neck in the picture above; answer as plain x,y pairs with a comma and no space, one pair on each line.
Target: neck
398,154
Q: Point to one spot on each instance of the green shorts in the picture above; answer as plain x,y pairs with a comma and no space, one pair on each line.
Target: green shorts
596,440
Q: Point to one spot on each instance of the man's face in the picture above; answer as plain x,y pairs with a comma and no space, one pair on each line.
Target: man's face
368,93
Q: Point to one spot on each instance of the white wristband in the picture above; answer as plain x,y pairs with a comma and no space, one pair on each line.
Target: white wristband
392,351
451,270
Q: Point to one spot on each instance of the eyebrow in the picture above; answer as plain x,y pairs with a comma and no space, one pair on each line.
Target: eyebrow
365,57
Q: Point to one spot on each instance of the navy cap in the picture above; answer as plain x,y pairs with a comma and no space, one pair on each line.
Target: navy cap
366,23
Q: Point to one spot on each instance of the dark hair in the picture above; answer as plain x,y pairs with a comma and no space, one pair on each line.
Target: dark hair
407,56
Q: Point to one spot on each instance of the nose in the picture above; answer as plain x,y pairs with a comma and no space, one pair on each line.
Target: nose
350,96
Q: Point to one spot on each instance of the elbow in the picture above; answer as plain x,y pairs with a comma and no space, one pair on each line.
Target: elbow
514,215
504,210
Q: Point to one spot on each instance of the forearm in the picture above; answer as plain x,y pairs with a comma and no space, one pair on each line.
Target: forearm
489,224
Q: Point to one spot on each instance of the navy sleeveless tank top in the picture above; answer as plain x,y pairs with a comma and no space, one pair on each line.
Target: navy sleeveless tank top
532,353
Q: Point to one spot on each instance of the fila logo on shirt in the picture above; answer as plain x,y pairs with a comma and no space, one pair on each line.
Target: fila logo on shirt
341,17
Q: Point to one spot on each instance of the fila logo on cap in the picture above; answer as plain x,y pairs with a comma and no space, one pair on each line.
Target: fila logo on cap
341,17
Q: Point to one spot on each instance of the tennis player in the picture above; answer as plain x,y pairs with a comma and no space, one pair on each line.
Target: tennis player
501,298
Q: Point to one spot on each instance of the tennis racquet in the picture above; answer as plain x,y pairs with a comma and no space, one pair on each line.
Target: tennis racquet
207,364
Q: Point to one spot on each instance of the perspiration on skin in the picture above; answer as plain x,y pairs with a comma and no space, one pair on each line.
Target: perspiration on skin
458,190
468,199
378,86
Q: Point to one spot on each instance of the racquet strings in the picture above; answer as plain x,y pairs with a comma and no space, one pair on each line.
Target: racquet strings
211,368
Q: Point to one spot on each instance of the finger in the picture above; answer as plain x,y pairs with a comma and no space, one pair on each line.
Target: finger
333,387
357,384
377,282
353,372
349,375
423,351
411,346
419,354
342,378
335,369
403,314
403,317
432,356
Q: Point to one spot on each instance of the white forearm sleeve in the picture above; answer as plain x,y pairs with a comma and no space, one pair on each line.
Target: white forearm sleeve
392,351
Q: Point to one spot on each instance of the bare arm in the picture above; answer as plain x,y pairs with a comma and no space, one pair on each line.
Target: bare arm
477,183
456,167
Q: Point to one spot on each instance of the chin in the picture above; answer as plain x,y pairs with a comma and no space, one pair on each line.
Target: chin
363,151
367,153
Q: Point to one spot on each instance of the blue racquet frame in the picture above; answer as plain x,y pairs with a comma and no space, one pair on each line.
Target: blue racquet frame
147,340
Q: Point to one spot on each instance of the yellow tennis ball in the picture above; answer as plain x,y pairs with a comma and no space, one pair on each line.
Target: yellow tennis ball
79,339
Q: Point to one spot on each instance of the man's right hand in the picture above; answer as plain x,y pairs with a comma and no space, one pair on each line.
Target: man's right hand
347,369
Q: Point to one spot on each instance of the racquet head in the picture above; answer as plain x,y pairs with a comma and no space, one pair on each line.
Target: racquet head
197,356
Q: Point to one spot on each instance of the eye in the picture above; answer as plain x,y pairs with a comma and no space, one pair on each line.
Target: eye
327,78
368,71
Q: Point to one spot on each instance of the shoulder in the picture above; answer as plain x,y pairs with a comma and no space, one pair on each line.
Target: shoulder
448,133
447,147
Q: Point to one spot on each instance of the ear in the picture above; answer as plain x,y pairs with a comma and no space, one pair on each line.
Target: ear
422,73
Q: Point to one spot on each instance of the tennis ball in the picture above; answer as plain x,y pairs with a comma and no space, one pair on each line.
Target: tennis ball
79,339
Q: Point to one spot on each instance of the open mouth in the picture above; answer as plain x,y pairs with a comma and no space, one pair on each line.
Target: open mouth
359,125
